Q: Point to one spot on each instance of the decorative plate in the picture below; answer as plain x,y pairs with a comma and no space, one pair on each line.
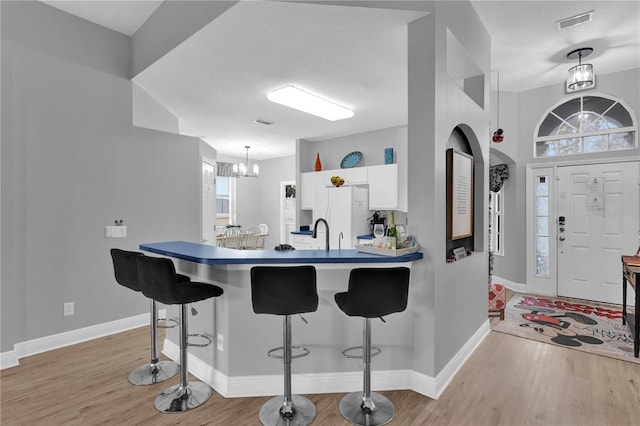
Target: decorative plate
351,160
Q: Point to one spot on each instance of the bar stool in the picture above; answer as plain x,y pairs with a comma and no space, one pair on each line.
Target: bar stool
159,281
372,293
286,291
125,268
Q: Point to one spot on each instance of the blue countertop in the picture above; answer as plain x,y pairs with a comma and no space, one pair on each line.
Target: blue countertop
211,255
302,232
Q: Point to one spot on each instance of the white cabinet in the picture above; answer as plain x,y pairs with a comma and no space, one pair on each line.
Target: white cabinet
387,190
353,176
308,183
383,187
304,242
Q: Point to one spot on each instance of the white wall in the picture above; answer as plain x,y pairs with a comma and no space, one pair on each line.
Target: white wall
72,163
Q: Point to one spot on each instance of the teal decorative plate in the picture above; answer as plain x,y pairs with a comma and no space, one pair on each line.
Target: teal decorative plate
351,160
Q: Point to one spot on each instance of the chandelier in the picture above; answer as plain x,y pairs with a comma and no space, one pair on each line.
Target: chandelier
242,169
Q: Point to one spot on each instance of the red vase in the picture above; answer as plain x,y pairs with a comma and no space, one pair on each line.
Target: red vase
318,163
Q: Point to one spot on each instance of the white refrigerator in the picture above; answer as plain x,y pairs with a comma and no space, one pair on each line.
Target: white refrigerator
346,209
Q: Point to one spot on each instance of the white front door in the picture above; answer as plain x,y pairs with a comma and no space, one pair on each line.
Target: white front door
597,221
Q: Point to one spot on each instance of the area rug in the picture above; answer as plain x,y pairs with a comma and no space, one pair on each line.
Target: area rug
570,323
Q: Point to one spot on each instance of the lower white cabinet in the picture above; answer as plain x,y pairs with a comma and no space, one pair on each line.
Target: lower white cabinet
304,242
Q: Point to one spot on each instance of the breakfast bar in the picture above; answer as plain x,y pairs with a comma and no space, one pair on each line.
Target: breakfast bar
236,364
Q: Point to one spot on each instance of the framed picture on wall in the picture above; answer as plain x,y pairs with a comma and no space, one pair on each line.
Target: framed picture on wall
459,194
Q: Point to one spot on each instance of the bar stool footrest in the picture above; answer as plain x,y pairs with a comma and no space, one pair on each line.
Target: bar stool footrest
174,322
304,352
199,345
374,351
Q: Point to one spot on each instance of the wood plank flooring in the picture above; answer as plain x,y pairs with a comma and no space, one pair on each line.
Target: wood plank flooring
507,381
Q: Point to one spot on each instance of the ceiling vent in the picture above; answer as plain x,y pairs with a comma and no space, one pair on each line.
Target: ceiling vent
583,18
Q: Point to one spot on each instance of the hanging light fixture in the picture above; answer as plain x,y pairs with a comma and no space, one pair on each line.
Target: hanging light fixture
242,169
581,76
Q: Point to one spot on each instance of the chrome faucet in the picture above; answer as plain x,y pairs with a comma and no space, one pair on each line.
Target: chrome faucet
314,234
340,237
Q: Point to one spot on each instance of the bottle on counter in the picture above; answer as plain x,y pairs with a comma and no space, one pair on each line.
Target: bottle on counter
391,229
318,163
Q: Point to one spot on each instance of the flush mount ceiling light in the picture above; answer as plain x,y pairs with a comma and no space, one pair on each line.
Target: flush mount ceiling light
581,76
304,101
242,169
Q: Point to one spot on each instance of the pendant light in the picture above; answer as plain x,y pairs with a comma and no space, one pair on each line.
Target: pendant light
242,169
581,76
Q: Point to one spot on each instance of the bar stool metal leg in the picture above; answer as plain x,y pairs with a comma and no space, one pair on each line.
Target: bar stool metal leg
156,371
367,408
289,410
184,396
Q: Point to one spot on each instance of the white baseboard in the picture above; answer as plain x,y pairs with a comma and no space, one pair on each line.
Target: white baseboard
48,343
311,383
449,371
511,285
8,359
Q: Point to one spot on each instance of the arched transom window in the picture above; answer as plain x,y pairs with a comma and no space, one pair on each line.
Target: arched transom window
583,125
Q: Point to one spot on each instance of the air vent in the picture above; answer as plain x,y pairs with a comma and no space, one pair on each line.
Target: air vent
266,123
583,18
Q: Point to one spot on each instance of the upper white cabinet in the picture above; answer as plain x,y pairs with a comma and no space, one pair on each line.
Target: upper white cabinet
353,176
383,187
308,182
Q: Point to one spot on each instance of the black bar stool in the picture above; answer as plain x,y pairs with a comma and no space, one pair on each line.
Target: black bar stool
372,293
125,268
285,290
159,281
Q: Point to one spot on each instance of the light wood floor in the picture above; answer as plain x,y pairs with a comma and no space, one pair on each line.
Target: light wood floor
507,381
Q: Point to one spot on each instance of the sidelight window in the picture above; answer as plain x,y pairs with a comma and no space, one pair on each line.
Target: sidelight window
496,228
542,226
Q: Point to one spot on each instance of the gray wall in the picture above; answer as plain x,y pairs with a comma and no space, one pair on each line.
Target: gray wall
530,107
259,199
73,163
448,299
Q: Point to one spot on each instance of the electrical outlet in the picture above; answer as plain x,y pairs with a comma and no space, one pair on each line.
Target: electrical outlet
68,309
220,342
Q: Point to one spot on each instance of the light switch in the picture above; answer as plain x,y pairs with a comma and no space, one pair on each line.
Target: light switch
115,231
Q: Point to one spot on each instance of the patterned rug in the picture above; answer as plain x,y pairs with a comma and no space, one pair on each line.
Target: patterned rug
576,324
